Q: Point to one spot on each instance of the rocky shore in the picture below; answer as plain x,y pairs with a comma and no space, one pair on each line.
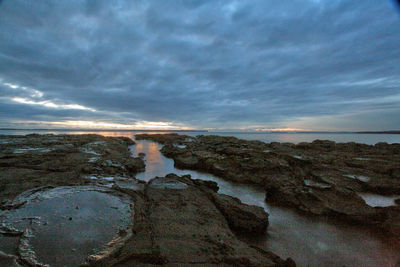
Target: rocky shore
34,160
184,222
322,178
67,200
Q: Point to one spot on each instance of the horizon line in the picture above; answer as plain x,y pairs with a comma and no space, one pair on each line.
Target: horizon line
192,130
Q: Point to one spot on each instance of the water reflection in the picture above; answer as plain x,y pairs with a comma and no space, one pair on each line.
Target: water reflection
154,162
67,223
309,241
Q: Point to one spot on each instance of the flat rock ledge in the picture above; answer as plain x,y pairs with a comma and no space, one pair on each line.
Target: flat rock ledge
34,160
184,222
321,178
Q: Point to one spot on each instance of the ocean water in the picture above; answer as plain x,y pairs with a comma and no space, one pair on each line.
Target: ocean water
370,139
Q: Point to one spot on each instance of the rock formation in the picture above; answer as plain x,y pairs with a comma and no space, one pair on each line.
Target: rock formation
172,220
53,160
183,222
321,178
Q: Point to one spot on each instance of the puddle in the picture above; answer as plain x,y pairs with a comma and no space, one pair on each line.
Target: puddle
93,159
361,178
129,184
31,149
66,224
179,146
362,158
123,182
309,241
165,184
88,151
375,200
96,143
89,148
311,183
105,178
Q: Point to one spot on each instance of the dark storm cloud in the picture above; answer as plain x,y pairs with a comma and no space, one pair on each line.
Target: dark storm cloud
222,64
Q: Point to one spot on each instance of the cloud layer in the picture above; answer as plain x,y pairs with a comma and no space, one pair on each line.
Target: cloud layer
309,64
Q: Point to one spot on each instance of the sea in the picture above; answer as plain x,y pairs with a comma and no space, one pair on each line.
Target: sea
282,137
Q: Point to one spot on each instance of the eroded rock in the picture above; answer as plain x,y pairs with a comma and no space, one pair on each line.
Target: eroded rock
79,194
322,177
62,160
177,223
240,217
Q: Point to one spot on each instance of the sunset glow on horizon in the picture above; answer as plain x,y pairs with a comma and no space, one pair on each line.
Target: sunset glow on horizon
142,125
281,130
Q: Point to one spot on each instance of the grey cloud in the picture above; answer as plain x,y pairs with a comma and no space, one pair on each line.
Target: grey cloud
219,64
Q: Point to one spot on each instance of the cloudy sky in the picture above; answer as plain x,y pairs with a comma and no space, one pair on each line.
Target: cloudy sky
267,64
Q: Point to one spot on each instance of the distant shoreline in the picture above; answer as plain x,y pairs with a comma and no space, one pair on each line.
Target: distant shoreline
380,132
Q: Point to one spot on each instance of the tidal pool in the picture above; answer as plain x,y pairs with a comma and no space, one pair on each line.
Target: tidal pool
361,178
64,225
310,241
375,200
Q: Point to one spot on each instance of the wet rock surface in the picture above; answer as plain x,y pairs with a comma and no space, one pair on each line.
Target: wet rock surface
178,225
321,178
242,218
61,196
32,161
70,199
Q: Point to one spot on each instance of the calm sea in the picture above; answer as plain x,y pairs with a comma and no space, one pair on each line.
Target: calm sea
265,137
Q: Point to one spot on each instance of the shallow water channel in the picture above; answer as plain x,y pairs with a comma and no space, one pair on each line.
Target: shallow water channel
309,241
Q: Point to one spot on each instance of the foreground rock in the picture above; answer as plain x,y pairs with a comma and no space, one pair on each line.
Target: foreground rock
70,199
241,218
322,177
172,221
64,225
183,222
32,161
56,197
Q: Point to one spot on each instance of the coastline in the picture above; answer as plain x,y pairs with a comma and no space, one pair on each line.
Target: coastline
153,222
321,178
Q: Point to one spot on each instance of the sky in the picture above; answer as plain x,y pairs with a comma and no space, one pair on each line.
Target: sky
324,65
